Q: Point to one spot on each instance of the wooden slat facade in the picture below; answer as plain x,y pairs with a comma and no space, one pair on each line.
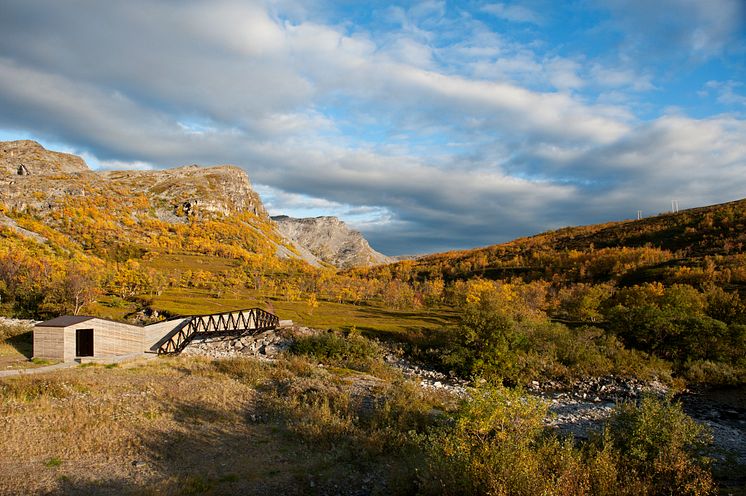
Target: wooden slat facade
109,339
49,343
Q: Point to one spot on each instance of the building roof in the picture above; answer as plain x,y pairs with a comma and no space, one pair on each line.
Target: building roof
64,321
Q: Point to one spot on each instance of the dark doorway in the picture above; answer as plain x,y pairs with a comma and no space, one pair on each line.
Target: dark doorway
84,342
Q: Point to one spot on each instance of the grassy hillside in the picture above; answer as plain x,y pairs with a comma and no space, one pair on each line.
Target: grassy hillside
676,247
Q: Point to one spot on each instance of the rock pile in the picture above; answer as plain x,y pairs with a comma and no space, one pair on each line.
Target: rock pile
266,345
6,321
598,389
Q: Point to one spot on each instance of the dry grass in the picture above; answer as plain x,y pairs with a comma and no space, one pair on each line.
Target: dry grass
16,347
199,426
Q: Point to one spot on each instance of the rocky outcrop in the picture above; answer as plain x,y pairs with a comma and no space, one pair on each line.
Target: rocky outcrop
29,158
36,179
331,240
191,190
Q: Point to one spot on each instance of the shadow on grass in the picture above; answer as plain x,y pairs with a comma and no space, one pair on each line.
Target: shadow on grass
216,453
23,343
438,317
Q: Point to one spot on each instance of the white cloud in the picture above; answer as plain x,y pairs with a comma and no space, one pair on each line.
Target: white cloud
676,29
563,73
618,77
727,92
457,141
514,13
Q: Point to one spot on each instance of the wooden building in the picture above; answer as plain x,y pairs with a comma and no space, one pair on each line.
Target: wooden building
76,337
70,337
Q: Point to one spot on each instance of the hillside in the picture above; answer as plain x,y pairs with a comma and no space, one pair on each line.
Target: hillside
117,232
331,240
41,184
688,246
143,240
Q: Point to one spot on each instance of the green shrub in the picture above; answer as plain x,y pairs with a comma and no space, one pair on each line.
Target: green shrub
496,444
353,350
709,372
490,344
487,341
658,444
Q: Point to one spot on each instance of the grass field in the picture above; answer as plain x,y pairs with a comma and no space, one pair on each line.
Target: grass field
372,320
183,426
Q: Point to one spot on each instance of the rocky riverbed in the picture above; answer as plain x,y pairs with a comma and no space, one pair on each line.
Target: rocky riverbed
577,408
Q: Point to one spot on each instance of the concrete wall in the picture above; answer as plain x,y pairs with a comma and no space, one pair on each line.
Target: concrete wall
155,333
49,343
109,339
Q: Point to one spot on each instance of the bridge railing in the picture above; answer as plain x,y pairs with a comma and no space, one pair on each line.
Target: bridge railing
249,321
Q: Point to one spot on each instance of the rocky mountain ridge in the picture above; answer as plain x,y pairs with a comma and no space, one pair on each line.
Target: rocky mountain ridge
36,179
40,182
26,157
331,241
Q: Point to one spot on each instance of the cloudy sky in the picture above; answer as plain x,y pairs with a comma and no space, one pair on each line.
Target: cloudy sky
427,125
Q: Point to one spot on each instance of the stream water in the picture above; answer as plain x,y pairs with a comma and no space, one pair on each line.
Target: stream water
723,410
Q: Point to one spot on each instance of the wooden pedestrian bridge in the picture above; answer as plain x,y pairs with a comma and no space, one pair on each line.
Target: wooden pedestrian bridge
238,322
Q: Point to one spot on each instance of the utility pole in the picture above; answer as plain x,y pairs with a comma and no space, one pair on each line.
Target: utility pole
639,214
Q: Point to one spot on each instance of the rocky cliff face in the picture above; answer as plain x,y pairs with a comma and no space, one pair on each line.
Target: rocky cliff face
193,189
26,157
33,178
331,240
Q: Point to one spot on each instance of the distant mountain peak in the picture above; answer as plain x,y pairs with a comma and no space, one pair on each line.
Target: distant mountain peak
330,240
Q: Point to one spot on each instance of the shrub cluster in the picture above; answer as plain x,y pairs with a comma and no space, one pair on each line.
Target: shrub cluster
496,444
352,351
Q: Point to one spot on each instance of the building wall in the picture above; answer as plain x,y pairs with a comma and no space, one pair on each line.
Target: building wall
49,343
155,333
112,338
70,339
109,339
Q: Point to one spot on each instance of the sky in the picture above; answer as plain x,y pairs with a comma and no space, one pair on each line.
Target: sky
428,126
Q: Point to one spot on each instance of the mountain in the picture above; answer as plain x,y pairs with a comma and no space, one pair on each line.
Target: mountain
331,240
211,210
141,208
